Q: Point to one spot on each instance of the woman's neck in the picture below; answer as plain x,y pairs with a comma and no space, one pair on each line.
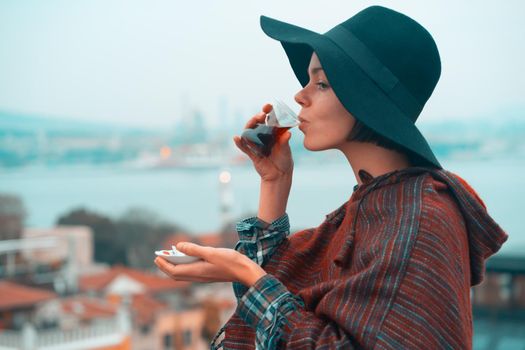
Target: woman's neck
373,159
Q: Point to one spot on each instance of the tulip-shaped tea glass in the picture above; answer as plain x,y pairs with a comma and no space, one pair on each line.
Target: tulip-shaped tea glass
261,139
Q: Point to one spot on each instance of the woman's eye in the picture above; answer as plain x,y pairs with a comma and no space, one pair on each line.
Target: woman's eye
321,85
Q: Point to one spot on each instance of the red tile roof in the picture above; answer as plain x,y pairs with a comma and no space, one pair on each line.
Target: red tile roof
212,239
15,295
87,308
151,282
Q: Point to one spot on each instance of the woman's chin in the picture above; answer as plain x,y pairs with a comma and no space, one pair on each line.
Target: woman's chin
313,147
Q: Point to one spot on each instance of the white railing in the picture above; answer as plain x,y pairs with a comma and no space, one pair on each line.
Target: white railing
100,329
10,340
101,333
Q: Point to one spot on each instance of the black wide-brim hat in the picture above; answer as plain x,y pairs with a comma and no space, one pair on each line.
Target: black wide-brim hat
382,65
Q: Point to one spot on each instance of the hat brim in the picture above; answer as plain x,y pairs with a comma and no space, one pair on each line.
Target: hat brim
358,93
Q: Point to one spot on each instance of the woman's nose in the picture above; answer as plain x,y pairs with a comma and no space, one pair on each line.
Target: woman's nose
300,98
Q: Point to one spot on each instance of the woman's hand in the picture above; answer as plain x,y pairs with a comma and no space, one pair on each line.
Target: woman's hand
279,163
217,265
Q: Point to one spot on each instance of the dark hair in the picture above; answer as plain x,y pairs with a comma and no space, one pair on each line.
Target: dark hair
362,133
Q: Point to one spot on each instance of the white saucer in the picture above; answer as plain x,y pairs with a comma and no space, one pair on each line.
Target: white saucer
177,257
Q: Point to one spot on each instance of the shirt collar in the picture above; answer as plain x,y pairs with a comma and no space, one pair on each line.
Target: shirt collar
367,180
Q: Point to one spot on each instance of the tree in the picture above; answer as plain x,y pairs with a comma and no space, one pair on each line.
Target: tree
142,232
108,248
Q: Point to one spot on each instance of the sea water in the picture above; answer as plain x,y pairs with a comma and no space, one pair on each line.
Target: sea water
193,198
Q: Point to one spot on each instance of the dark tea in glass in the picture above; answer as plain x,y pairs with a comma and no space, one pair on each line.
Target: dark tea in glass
261,139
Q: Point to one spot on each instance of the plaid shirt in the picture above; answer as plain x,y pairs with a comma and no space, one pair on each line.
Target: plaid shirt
266,299
391,268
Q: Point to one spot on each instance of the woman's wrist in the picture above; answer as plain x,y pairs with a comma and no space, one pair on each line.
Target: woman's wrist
252,273
282,177
274,198
283,183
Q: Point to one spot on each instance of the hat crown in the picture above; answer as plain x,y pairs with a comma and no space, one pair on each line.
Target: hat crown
402,45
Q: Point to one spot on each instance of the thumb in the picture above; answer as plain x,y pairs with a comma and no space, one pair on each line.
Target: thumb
191,249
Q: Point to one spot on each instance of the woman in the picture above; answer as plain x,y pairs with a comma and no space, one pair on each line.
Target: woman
393,266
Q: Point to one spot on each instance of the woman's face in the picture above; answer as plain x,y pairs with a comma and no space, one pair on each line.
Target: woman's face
324,121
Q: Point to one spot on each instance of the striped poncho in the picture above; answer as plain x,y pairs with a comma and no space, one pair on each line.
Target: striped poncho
390,269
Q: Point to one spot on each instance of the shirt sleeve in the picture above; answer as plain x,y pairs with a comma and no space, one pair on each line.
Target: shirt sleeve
258,240
266,306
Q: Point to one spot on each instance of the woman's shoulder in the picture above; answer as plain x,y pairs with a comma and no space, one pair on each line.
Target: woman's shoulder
440,204
429,188
448,194
421,195
447,204
437,196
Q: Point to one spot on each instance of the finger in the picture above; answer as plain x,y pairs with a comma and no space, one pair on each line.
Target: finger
162,264
259,117
176,271
256,119
240,145
192,272
267,108
193,249
284,138
243,146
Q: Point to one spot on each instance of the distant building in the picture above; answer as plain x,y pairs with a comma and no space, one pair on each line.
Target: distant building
503,288
165,313
34,318
498,304
74,242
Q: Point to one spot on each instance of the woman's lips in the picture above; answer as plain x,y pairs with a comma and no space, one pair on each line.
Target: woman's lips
302,125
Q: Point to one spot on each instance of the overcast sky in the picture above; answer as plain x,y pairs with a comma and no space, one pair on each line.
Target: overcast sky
147,62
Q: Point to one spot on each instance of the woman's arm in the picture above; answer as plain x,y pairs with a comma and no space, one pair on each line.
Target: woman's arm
261,235
275,170
273,198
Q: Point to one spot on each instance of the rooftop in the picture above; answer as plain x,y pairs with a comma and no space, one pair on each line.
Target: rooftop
19,296
149,282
